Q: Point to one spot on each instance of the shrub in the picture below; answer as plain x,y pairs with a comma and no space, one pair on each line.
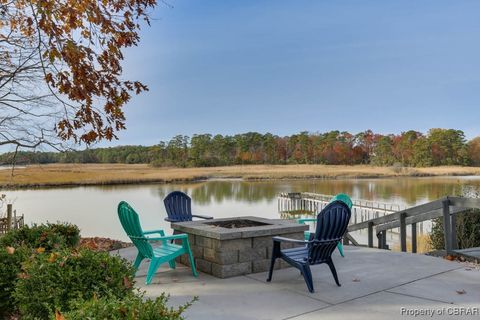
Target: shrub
132,307
51,281
48,236
10,263
468,231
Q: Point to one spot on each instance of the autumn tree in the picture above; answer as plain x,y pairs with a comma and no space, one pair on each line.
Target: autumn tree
474,151
60,69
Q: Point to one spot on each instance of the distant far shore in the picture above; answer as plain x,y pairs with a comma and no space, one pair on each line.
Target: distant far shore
59,175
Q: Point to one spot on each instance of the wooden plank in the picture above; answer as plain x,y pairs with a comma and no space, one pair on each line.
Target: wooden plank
370,234
414,237
419,218
421,209
351,239
403,232
464,202
453,227
446,226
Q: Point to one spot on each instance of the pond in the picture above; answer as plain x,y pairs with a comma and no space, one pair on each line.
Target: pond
93,208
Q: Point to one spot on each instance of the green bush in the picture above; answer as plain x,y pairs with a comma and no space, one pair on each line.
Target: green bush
51,281
10,265
132,307
48,236
468,231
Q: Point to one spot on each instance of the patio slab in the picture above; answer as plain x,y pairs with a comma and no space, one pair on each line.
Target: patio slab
363,271
460,286
381,306
376,284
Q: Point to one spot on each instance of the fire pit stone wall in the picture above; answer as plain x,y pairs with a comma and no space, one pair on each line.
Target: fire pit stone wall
236,246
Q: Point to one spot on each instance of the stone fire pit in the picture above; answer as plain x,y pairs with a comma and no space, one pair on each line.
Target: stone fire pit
236,246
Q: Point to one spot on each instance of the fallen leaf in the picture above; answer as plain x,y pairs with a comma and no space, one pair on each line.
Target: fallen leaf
58,315
53,257
23,275
450,258
355,280
10,250
40,250
126,282
461,291
468,269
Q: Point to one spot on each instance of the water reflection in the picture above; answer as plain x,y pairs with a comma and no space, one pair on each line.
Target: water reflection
94,208
407,191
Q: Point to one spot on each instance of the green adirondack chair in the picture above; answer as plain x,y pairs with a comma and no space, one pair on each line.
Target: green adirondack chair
342,197
167,252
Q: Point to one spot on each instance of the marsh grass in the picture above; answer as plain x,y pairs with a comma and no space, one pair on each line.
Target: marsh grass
103,174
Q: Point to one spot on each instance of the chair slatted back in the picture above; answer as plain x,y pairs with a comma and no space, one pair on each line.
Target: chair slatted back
332,224
178,206
131,224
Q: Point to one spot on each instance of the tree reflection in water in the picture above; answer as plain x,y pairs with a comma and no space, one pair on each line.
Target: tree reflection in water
404,191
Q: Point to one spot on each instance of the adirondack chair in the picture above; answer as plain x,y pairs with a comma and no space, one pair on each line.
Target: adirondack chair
332,223
179,207
342,197
167,252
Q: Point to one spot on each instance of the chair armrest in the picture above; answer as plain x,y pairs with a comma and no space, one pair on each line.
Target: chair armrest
172,237
282,239
306,220
169,220
202,217
160,232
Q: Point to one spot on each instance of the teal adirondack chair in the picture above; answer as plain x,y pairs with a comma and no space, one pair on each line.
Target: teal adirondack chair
342,197
141,239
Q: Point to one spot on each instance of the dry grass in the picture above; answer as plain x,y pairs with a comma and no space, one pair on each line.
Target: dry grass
90,174
423,244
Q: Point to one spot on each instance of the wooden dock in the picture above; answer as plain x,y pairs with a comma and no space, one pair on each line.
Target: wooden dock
293,205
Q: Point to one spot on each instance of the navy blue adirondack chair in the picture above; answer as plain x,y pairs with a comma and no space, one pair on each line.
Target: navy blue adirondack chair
332,224
179,207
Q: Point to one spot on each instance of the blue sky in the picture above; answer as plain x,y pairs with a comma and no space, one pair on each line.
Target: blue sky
288,66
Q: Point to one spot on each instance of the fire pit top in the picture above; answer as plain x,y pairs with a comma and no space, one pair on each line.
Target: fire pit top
237,223
238,227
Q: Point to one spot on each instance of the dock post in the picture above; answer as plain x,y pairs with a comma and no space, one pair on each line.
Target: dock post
453,231
380,240
9,216
403,232
414,237
447,230
370,234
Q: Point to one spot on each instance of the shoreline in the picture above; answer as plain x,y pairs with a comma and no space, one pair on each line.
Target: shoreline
81,175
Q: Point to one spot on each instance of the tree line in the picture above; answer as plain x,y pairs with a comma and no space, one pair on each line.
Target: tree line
411,148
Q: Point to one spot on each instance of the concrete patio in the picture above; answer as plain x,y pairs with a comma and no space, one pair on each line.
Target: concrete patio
376,284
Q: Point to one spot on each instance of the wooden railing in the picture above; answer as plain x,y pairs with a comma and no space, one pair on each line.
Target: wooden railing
447,207
11,220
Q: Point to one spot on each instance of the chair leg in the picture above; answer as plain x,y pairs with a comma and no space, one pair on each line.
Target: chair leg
275,255
192,264
154,265
272,265
171,263
186,246
334,272
307,275
138,260
340,249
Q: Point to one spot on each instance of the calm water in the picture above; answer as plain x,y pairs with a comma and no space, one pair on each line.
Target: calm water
94,208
